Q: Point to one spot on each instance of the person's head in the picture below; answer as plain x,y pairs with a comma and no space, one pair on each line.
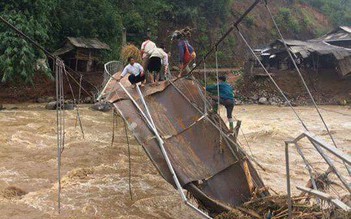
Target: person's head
177,35
187,32
222,78
131,60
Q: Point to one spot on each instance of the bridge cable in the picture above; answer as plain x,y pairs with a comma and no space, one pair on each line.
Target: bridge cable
218,102
75,104
47,53
300,74
272,79
304,83
129,162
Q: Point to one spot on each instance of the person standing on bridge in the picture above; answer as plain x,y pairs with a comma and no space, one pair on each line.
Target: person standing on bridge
135,70
158,57
225,97
186,51
146,48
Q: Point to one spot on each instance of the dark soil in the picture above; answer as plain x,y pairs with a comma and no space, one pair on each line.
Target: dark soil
325,86
44,87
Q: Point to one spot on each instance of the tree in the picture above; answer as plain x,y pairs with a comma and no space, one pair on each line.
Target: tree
18,58
91,19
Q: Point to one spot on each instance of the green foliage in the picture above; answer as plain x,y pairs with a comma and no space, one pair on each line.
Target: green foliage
286,20
17,57
91,19
339,11
249,20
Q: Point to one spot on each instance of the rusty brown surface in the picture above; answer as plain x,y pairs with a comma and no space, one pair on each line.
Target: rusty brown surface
193,144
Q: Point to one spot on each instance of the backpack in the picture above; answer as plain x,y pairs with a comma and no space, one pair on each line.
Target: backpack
188,57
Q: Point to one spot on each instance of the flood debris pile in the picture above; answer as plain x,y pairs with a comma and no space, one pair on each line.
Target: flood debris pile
12,192
277,207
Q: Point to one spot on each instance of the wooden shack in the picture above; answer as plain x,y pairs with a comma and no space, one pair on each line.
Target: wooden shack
82,54
341,37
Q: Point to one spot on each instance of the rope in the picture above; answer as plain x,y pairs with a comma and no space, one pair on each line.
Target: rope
114,124
129,162
60,126
205,80
304,83
302,78
244,135
39,47
223,134
78,119
232,27
272,79
80,88
218,102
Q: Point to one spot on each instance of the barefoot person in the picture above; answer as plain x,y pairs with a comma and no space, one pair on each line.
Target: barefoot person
146,47
226,98
158,57
135,71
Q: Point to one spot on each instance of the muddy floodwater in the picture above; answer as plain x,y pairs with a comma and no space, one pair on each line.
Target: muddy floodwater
95,173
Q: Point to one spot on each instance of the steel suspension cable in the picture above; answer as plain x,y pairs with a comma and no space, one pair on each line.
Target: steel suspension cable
300,74
205,81
218,101
129,161
39,47
78,119
272,79
304,82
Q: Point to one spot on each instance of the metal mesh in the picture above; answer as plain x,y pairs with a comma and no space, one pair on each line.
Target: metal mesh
110,68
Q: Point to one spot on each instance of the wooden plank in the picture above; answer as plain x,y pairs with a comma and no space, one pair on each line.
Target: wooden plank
326,197
337,152
315,192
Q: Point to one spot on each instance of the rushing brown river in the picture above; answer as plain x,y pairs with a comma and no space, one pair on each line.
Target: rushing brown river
95,173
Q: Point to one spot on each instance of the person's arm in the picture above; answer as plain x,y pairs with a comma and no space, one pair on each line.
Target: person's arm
142,49
211,88
124,72
141,69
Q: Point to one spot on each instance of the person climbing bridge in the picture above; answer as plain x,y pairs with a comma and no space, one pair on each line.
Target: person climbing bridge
146,47
158,57
135,70
226,97
186,51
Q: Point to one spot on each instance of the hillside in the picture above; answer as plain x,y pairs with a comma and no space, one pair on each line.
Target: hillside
297,19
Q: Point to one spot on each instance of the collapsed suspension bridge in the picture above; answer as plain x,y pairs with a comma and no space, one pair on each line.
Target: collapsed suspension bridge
189,145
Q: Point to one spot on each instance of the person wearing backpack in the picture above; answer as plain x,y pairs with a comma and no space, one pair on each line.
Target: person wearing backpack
186,51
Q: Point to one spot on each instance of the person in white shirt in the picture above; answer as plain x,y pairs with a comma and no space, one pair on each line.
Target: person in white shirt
146,47
158,57
135,71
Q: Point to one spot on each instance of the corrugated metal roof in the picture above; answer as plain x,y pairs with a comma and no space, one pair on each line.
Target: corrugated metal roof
346,28
318,46
63,50
339,34
88,43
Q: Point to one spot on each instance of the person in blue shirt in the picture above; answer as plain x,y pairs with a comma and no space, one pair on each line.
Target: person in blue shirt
226,97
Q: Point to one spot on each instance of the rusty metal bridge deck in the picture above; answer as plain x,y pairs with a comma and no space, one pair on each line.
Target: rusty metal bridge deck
207,161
